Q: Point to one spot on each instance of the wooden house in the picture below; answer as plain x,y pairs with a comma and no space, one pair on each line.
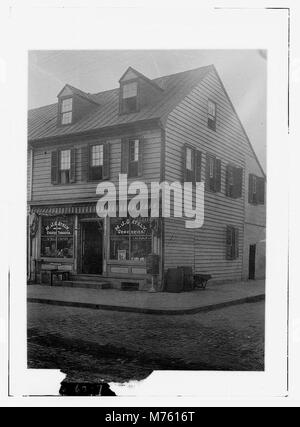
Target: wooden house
173,128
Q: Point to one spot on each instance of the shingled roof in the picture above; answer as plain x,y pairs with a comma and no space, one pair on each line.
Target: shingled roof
42,122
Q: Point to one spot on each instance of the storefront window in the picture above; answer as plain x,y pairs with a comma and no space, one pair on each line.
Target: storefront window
57,237
130,239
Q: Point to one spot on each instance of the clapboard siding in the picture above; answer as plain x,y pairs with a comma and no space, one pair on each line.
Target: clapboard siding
43,190
204,249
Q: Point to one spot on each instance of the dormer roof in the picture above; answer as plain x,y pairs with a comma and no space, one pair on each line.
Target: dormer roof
69,90
131,74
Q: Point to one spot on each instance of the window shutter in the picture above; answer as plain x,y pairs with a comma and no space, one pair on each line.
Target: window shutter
141,157
217,175
227,189
85,163
184,170
260,190
198,164
54,167
106,161
207,177
236,243
124,155
250,189
238,182
229,242
73,165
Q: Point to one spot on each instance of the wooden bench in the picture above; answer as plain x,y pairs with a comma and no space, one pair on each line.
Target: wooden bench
200,280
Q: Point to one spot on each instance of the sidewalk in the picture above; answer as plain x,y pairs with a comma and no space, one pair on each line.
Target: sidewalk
213,297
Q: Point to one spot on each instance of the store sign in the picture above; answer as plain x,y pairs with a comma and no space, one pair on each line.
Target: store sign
134,227
58,227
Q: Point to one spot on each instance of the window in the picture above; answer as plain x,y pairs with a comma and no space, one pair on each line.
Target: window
211,114
129,97
65,166
188,163
192,164
132,157
232,243
96,163
134,150
130,239
66,111
256,190
234,181
57,237
213,173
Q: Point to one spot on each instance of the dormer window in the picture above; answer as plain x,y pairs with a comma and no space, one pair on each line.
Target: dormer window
129,97
66,111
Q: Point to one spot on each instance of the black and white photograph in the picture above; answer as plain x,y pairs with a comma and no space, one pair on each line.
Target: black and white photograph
122,279
149,223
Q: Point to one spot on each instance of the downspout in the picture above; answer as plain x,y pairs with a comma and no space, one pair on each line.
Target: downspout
162,179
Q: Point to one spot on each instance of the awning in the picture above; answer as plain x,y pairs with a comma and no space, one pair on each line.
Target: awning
64,210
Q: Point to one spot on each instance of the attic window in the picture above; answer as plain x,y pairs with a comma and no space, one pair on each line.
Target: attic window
212,114
66,111
129,94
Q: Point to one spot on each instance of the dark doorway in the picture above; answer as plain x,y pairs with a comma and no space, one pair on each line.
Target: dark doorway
252,253
92,247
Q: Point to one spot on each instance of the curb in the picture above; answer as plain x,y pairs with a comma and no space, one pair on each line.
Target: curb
211,307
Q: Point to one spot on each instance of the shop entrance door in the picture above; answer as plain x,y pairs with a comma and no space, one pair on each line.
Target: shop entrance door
91,247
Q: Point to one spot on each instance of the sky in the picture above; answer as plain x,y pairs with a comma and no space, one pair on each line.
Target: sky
243,73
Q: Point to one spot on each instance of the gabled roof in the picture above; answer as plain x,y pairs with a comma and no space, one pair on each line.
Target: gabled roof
74,90
134,72
42,122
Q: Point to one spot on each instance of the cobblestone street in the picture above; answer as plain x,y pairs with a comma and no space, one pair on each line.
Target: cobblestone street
117,346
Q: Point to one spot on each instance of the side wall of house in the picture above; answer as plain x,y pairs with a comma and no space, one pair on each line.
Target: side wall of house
205,248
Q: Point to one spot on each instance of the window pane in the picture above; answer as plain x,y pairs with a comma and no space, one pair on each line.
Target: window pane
130,90
134,150
97,155
48,247
189,159
211,168
119,248
64,247
66,118
211,108
140,247
65,159
66,105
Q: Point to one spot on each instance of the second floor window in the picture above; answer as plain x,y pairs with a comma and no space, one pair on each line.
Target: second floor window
211,114
63,166
256,190
129,97
66,111
134,153
192,159
96,162
234,181
132,157
213,173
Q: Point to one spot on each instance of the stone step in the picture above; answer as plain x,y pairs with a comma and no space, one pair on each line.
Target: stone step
84,284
